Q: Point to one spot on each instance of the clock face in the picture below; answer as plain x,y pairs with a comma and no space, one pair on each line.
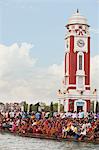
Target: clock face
80,43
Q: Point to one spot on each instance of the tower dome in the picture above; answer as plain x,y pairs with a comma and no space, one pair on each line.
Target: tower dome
77,19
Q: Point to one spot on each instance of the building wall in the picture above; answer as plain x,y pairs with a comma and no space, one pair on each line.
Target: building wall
72,62
87,64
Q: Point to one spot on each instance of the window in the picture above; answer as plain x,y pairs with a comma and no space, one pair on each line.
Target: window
80,62
80,82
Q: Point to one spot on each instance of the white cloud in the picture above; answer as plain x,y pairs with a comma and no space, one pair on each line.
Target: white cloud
56,70
95,72
15,60
21,79
16,66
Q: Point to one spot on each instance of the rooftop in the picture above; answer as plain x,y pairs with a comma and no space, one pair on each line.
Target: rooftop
77,18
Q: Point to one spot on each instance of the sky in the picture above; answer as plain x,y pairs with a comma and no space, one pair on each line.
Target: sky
32,46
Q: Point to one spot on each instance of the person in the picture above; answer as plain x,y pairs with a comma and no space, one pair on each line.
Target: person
56,126
64,132
83,131
90,116
74,115
81,114
11,113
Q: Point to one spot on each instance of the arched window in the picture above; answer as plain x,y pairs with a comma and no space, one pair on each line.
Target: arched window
80,62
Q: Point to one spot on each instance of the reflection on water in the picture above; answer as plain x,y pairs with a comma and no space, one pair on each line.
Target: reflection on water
10,142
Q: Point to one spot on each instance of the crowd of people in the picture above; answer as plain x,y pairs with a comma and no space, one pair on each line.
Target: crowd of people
64,125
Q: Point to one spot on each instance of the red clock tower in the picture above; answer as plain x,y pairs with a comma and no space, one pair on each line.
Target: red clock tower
77,64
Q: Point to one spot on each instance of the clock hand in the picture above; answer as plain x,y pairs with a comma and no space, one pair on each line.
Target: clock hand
81,42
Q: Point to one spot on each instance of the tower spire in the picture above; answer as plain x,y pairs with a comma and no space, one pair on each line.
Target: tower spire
77,10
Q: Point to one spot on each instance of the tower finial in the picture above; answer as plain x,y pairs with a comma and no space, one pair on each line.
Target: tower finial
77,10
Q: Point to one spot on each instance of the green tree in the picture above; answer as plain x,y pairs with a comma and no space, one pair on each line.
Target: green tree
25,107
34,108
47,108
62,108
51,109
97,107
92,106
37,106
55,107
31,108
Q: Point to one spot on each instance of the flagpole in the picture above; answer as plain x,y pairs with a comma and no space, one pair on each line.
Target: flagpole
59,100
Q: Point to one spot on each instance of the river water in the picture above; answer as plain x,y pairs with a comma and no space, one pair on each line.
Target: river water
11,142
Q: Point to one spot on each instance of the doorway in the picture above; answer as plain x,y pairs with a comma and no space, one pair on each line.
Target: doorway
79,108
80,105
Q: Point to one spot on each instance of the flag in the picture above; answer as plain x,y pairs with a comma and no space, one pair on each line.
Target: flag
59,92
95,90
63,82
67,90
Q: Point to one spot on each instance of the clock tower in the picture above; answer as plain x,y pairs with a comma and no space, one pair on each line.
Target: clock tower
77,64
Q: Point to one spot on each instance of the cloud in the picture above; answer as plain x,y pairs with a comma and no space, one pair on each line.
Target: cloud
95,72
21,79
15,60
56,70
16,67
